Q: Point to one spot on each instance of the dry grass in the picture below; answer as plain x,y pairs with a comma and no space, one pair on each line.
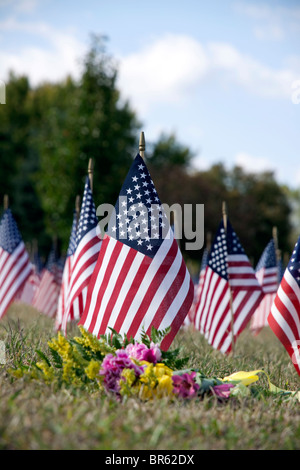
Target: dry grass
34,416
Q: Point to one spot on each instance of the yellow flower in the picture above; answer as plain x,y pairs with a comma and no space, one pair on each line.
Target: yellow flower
92,370
90,341
61,345
164,387
246,378
47,371
156,381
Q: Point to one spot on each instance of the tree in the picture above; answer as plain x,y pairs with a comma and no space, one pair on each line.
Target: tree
83,120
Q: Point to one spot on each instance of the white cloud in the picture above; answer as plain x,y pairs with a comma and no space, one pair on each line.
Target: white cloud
271,22
163,71
172,67
252,163
42,63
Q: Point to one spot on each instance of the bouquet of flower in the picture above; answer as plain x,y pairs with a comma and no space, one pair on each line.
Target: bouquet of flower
122,368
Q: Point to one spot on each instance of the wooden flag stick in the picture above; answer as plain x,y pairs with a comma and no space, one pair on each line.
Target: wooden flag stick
5,201
208,241
91,172
142,145
224,212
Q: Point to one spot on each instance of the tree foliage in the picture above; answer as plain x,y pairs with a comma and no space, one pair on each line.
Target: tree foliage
49,133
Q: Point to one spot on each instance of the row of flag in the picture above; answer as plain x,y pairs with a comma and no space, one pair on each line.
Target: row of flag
134,277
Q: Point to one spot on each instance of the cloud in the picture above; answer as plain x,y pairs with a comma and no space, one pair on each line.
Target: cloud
51,61
252,163
171,68
271,22
164,71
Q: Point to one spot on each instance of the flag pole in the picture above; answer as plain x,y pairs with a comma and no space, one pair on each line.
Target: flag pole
91,172
142,145
224,212
5,202
208,241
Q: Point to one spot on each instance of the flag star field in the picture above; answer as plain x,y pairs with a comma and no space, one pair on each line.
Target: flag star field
139,220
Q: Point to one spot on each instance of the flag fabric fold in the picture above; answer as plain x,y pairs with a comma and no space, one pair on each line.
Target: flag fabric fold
230,291
284,318
267,273
140,279
15,265
65,284
45,299
88,243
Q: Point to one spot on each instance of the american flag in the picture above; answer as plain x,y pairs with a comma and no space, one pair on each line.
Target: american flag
88,242
30,288
284,318
190,318
229,287
140,279
64,289
15,266
267,273
46,297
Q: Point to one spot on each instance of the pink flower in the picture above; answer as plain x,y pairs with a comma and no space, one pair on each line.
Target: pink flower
185,385
112,367
142,353
222,390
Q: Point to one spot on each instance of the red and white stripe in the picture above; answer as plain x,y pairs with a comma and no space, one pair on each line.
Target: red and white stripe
30,287
219,298
284,318
82,267
15,268
268,279
46,297
131,292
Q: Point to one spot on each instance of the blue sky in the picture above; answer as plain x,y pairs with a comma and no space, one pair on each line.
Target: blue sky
224,76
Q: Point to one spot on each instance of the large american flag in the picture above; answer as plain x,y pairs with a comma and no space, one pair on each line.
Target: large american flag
284,318
267,273
88,242
229,285
15,265
45,299
140,279
65,284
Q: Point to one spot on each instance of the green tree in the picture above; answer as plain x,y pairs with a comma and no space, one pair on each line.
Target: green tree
83,120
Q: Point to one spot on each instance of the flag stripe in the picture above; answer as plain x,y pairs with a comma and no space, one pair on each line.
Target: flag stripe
17,269
284,317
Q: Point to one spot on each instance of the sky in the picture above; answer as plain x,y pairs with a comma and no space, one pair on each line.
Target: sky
223,76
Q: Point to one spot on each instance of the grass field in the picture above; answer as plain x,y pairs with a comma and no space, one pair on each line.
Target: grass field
35,416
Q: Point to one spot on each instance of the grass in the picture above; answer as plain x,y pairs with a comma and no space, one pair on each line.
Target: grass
34,416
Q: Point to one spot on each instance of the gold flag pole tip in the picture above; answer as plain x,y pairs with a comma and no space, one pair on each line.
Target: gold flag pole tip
142,145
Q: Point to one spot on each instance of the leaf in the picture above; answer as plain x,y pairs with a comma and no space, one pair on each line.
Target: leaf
43,356
58,363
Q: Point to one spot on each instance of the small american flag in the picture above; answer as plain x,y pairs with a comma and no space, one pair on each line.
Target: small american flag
30,287
84,257
15,266
284,318
140,279
46,297
65,284
229,286
267,273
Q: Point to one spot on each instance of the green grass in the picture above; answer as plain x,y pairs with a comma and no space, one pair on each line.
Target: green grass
38,417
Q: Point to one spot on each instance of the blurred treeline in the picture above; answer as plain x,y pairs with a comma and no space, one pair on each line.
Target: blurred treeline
48,133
